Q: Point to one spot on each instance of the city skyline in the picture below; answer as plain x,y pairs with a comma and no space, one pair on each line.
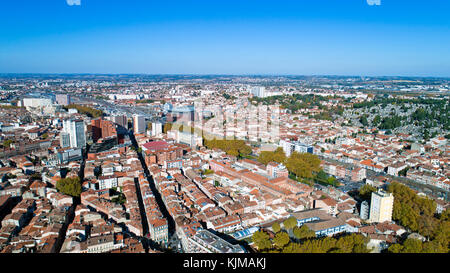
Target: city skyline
350,38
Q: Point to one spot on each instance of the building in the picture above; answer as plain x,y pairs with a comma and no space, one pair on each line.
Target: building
139,124
381,207
277,170
64,139
364,211
328,204
107,182
358,174
96,129
64,156
320,222
103,129
75,129
120,120
327,227
157,152
192,140
36,102
258,91
396,168
159,230
171,164
291,146
205,241
311,215
225,224
62,99
100,244
156,128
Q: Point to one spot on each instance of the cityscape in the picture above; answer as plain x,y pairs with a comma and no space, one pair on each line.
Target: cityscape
151,164
236,128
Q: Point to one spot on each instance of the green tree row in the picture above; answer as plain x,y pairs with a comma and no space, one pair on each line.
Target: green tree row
417,214
90,112
233,147
281,243
302,165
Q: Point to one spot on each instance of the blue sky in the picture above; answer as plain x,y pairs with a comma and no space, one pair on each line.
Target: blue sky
304,37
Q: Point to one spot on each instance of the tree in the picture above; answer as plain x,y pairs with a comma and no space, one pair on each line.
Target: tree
427,225
276,227
281,239
303,232
365,192
90,112
363,120
290,223
395,248
276,156
70,186
121,199
279,156
414,212
303,165
376,120
412,246
232,147
353,243
208,171
323,178
167,127
262,240
404,171
7,143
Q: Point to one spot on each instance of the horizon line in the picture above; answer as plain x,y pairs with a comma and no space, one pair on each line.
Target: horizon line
220,74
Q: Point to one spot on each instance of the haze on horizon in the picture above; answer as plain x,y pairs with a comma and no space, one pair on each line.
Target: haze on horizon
197,37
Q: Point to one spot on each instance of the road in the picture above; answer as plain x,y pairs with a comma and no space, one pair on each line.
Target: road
158,198
75,202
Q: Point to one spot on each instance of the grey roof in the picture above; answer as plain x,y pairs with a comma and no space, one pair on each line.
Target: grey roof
305,214
325,224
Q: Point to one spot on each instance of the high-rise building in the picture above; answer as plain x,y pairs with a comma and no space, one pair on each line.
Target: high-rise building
259,91
64,139
381,206
63,99
156,128
120,120
364,210
96,129
108,129
76,130
138,124
103,129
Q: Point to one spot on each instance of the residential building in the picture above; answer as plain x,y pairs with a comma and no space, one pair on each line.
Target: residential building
139,125
381,206
76,130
